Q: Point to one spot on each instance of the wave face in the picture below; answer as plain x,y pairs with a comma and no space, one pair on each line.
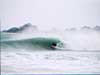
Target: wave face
30,43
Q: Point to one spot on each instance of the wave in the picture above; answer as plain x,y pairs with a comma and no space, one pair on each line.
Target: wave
33,43
70,41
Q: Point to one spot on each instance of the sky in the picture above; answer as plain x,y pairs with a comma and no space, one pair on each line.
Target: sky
59,14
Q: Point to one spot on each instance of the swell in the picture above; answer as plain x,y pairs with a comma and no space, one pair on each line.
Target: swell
33,43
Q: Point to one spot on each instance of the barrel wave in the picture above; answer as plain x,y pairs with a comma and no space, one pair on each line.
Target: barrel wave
31,43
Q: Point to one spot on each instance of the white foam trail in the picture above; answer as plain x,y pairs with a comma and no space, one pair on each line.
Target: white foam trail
55,61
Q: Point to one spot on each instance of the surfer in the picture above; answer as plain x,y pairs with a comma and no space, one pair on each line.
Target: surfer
53,46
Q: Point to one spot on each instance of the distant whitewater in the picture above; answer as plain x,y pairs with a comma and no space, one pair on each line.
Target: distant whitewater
31,52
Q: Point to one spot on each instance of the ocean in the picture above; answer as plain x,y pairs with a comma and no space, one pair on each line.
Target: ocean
77,52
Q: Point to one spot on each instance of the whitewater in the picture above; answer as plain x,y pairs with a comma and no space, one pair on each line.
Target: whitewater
30,52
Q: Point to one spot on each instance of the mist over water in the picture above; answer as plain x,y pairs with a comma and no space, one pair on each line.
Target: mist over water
83,40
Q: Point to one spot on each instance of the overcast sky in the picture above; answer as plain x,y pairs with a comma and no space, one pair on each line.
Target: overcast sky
50,13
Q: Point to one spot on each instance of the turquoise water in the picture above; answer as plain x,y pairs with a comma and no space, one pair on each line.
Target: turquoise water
37,42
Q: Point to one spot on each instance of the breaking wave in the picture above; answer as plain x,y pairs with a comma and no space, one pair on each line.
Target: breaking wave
31,43
68,40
